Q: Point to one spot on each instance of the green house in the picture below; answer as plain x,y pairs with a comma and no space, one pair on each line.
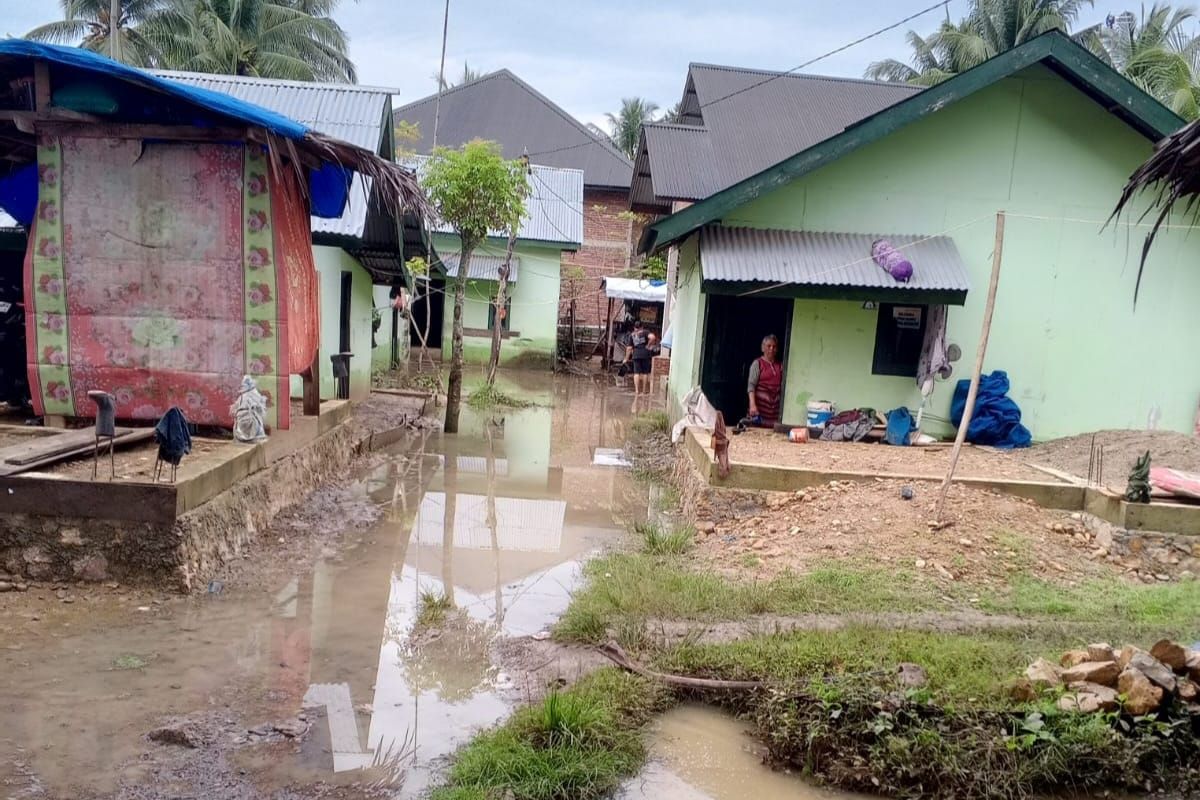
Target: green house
1046,133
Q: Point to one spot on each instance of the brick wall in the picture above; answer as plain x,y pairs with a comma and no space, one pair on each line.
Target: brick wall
609,236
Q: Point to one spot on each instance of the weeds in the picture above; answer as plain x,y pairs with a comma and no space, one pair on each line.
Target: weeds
651,422
577,743
435,605
486,397
656,541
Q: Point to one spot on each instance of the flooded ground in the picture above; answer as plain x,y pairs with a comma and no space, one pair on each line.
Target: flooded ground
318,675
702,753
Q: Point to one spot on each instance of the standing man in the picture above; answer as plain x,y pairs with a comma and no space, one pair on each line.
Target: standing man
639,353
765,386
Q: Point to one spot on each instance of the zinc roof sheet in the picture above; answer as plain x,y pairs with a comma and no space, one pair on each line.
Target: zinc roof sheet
356,114
827,259
483,267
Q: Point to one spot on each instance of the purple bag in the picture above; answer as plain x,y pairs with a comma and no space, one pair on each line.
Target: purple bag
893,263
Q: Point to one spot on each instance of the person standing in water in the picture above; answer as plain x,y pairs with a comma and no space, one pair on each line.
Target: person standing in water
765,385
640,355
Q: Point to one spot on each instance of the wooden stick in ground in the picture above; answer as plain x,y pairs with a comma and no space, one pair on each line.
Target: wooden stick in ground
615,654
969,410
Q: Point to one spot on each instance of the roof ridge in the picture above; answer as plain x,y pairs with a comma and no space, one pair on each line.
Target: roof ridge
220,76
557,109
806,75
676,126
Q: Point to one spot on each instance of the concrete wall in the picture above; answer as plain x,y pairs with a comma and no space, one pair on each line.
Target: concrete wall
534,307
1079,355
688,318
331,263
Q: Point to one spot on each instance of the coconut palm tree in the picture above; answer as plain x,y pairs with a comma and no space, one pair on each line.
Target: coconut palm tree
467,76
626,125
291,39
990,28
88,23
1158,54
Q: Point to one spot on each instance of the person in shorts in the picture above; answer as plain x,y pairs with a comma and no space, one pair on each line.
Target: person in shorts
640,356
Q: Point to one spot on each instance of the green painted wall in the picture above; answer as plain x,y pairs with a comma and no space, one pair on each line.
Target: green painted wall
1079,355
534,307
331,263
687,316
381,356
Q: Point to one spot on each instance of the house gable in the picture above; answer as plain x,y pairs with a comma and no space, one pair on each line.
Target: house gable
1057,53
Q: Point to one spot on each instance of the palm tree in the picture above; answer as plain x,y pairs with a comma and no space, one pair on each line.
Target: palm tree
990,28
674,114
468,75
88,23
626,126
291,39
1157,54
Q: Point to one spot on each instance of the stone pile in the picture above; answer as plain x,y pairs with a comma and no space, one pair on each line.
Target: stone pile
1102,678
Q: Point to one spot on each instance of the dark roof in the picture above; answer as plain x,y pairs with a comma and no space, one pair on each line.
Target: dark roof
503,108
751,119
1054,50
810,264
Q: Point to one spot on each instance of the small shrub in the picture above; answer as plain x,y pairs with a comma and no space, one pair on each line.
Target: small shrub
435,605
486,397
651,422
658,542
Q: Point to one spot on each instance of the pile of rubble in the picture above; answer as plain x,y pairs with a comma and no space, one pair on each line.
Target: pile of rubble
1102,678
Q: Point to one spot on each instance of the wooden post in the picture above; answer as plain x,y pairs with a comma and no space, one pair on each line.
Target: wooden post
311,379
606,360
969,410
41,85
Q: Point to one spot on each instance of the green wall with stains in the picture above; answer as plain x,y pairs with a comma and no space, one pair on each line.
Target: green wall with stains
1079,355
331,263
534,310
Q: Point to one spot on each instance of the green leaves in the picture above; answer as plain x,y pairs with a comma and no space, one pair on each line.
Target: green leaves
476,191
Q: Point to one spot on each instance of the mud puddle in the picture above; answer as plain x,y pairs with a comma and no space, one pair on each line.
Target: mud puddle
701,753
497,519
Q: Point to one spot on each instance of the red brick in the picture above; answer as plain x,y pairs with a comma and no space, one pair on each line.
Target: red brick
609,236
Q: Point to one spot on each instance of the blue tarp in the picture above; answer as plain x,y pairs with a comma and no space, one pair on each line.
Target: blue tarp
997,418
148,99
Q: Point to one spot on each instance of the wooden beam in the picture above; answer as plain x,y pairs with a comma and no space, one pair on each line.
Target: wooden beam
41,85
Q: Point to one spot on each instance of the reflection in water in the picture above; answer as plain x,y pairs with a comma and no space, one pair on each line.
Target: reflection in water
497,517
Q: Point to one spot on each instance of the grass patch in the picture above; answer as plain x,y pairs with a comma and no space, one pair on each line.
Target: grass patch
659,542
578,743
645,586
486,397
650,422
129,661
668,499
435,606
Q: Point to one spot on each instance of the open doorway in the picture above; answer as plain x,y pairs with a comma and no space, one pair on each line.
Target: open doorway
435,290
734,328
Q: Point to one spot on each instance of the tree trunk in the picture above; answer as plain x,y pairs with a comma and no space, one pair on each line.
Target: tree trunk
454,386
428,315
498,327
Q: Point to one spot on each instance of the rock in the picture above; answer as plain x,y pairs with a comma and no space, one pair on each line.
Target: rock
1105,696
1158,673
1141,696
919,563
1080,703
911,675
1126,655
1193,664
1073,658
5,586
183,734
945,573
1188,691
705,526
1101,651
1023,691
291,728
93,567
1042,674
1170,653
1104,673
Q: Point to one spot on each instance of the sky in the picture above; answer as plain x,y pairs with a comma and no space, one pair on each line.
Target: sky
587,55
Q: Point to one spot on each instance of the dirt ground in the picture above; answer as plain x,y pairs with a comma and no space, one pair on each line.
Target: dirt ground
766,447
380,411
991,538
135,463
1121,450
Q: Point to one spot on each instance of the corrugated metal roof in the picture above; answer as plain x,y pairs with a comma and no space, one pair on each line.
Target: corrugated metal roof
483,267
521,525
752,119
356,114
827,259
503,108
554,208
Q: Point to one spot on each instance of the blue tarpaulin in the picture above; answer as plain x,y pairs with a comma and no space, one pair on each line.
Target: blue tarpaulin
997,418
149,99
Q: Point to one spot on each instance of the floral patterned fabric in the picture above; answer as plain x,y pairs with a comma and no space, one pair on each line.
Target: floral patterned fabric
151,274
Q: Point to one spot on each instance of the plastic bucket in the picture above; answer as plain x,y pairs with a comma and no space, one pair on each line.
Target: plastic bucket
819,412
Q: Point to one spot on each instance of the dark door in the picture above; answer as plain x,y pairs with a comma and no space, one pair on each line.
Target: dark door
734,328
435,290
344,313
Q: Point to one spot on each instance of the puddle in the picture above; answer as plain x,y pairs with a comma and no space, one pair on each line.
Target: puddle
701,753
497,518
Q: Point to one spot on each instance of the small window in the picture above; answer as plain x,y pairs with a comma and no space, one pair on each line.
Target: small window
504,323
899,333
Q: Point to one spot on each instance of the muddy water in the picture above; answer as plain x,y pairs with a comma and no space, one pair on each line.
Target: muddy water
498,518
701,753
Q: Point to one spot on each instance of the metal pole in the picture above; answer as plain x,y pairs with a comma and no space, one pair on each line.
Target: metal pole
114,29
969,410
437,103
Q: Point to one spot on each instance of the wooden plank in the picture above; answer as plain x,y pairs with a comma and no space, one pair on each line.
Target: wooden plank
56,497
46,446
132,437
41,84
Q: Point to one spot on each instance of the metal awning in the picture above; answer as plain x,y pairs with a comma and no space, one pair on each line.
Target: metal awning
634,289
482,267
836,266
